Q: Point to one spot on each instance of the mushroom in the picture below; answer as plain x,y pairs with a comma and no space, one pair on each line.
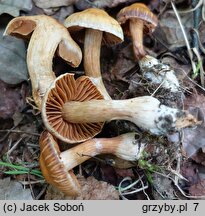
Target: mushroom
60,113
46,37
94,26
137,19
57,166
69,89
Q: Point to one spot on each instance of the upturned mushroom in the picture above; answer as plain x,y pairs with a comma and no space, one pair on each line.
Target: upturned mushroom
57,166
136,20
69,89
47,36
94,27
60,111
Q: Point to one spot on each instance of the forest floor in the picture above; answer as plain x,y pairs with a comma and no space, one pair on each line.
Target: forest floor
175,171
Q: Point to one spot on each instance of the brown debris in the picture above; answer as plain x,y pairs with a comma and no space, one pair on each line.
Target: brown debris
92,189
198,189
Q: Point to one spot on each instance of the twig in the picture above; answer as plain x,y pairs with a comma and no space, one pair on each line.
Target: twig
135,191
196,15
32,182
194,82
199,41
14,146
185,37
18,131
30,186
200,3
158,88
131,186
8,132
41,193
179,188
144,187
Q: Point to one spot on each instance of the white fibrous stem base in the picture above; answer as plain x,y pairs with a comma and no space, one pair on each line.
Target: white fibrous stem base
125,146
159,73
146,112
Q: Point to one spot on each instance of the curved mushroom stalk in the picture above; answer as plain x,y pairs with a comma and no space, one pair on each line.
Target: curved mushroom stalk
136,20
158,73
57,166
92,47
146,112
136,30
94,27
46,37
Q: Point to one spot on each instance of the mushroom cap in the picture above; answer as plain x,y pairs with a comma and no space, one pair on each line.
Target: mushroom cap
96,19
64,89
137,11
53,169
47,28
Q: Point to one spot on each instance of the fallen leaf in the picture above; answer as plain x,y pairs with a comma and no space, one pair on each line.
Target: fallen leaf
14,7
198,189
117,2
108,174
163,188
82,4
195,100
124,173
195,175
13,68
194,138
52,4
13,190
124,63
199,157
189,172
11,99
171,28
173,36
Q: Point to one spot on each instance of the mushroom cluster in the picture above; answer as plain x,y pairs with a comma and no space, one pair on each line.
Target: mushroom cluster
47,37
74,110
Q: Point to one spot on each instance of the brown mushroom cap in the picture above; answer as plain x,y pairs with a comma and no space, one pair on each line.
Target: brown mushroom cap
97,19
47,28
53,169
137,11
65,88
47,37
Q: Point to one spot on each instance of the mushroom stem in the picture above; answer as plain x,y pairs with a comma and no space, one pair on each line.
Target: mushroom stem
145,112
136,31
39,60
46,37
124,146
57,166
92,47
